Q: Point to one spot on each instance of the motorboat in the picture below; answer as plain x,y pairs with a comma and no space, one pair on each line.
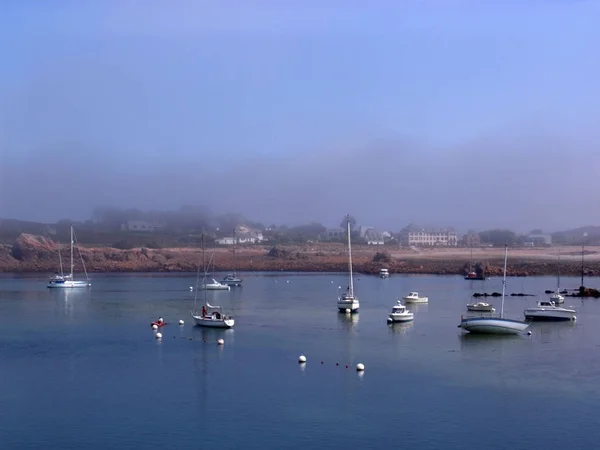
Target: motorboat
400,314
348,302
548,311
491,324
231,279
481,307
215,286
413,297
384,273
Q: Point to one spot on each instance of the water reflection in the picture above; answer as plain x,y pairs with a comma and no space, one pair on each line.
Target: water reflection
400,328
348,321
212,335
418,307
548,332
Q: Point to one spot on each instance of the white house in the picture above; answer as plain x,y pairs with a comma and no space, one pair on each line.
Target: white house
137,225
412,235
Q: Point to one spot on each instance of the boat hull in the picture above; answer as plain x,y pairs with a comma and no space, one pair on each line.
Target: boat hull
232,283
549,315
400,318
213,287
352,305
210,322
416,300
69,284
491,325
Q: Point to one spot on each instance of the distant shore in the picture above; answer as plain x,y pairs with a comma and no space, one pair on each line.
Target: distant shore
37,254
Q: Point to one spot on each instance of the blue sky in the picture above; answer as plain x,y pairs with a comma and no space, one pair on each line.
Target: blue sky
298,111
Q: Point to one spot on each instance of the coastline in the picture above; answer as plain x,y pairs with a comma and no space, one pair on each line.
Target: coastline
36,254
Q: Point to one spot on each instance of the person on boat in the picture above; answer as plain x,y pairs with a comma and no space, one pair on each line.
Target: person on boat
203,311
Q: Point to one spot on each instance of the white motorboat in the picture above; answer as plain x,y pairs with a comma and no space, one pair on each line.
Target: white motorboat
215,286
210,316
494,325
232,279
480,307
348,301
413,297
384,273
62,281
400,314
548,311
557,299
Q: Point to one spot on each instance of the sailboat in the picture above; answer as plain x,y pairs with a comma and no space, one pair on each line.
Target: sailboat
347,301
67,281
231,279
214,285
494,325
210,316
556,298
472,274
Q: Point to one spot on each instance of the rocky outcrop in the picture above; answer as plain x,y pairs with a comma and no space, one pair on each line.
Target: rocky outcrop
31,253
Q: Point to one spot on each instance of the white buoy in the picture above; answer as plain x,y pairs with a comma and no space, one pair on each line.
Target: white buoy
360,367
288,281
181,322
529,333
154,326
158,335
220,342
191,288
302,359
348,310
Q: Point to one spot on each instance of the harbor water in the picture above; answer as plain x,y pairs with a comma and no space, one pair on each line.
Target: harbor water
81,368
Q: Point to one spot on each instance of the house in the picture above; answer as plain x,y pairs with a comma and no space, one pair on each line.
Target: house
225,241
137,225
243,235
413,235
334,234
372,236
540,239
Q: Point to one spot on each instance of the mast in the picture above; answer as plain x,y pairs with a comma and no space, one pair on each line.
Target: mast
71,251
234,242
504,281
62,274
203,268
558,276
350,258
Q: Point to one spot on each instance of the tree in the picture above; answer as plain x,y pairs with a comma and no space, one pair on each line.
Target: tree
498,237
344,223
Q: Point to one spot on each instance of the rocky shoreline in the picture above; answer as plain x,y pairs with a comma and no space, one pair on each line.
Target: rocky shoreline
39,254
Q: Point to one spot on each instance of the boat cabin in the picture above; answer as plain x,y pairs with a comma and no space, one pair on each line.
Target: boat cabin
546,304
399,308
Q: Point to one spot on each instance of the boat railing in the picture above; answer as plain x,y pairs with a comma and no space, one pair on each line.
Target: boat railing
480,314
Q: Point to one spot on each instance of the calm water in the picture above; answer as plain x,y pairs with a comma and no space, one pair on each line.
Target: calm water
82,369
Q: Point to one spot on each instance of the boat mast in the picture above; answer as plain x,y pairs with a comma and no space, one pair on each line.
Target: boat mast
204,269
71,251
62,274
234,242
558,276
504,281
350,258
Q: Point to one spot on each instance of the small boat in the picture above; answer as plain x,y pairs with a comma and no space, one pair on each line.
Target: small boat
66,281
159,323
474,276
215,286
548,311
413,297
347,301
384,273
491,324
400,314
480,307
210,316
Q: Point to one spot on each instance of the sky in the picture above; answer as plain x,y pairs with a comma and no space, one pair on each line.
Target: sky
471,114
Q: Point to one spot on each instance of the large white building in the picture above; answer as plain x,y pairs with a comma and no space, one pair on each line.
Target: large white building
413,235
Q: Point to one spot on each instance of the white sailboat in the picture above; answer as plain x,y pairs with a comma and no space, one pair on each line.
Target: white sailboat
491,324
231,279
210,316
63,281
556,298
347,301
214,285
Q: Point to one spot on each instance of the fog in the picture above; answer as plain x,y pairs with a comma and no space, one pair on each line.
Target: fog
287,129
